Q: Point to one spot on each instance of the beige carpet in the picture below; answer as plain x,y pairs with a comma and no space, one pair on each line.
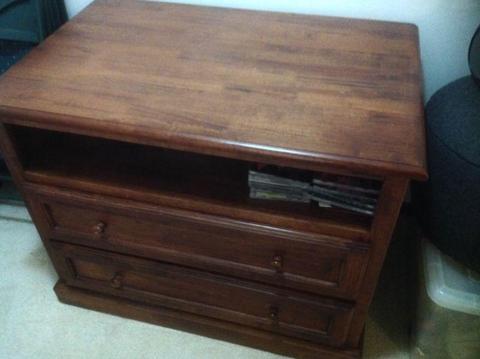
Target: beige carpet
33,324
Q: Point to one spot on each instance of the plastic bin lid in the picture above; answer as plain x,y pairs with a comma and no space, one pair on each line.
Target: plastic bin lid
450,284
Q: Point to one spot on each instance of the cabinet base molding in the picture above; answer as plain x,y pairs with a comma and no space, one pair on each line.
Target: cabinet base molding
196,324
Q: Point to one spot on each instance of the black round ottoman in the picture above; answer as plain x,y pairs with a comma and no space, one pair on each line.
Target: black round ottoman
451,197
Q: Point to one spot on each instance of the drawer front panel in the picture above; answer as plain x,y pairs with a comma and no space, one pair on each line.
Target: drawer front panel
319,264
260,306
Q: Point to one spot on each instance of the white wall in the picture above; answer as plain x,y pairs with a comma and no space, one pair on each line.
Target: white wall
446,26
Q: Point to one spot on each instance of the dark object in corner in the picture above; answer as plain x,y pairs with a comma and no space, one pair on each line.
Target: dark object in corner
474,56
11,52
30,20
451,203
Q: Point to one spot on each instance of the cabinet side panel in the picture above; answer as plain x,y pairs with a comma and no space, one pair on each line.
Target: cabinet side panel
388,209
10,153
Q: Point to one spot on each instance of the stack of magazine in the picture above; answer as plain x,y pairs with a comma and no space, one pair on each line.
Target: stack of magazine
274,187
357,195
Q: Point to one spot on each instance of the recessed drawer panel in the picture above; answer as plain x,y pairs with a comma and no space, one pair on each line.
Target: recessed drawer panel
294,259
256,305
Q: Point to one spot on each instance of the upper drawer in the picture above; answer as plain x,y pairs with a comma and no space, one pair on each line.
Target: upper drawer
298,260
260,306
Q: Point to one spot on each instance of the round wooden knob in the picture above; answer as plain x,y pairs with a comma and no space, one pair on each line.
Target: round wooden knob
116,281
277,263
273,313
100,228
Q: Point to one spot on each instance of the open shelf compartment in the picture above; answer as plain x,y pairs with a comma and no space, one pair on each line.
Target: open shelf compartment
209,184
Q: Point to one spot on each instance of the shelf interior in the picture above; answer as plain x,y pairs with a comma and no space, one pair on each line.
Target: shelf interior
181,179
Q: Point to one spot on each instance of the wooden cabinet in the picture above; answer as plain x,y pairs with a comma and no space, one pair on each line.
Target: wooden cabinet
131,132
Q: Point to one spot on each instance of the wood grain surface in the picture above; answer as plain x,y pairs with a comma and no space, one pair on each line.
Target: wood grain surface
322,92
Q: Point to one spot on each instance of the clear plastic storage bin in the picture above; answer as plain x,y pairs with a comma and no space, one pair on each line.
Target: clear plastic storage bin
447,321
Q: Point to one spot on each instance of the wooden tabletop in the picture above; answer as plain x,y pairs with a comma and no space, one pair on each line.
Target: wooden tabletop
316,91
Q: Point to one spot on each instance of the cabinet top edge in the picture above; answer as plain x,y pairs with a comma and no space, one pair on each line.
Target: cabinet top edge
216,147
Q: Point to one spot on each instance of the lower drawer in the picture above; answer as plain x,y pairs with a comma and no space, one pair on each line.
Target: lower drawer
268,308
